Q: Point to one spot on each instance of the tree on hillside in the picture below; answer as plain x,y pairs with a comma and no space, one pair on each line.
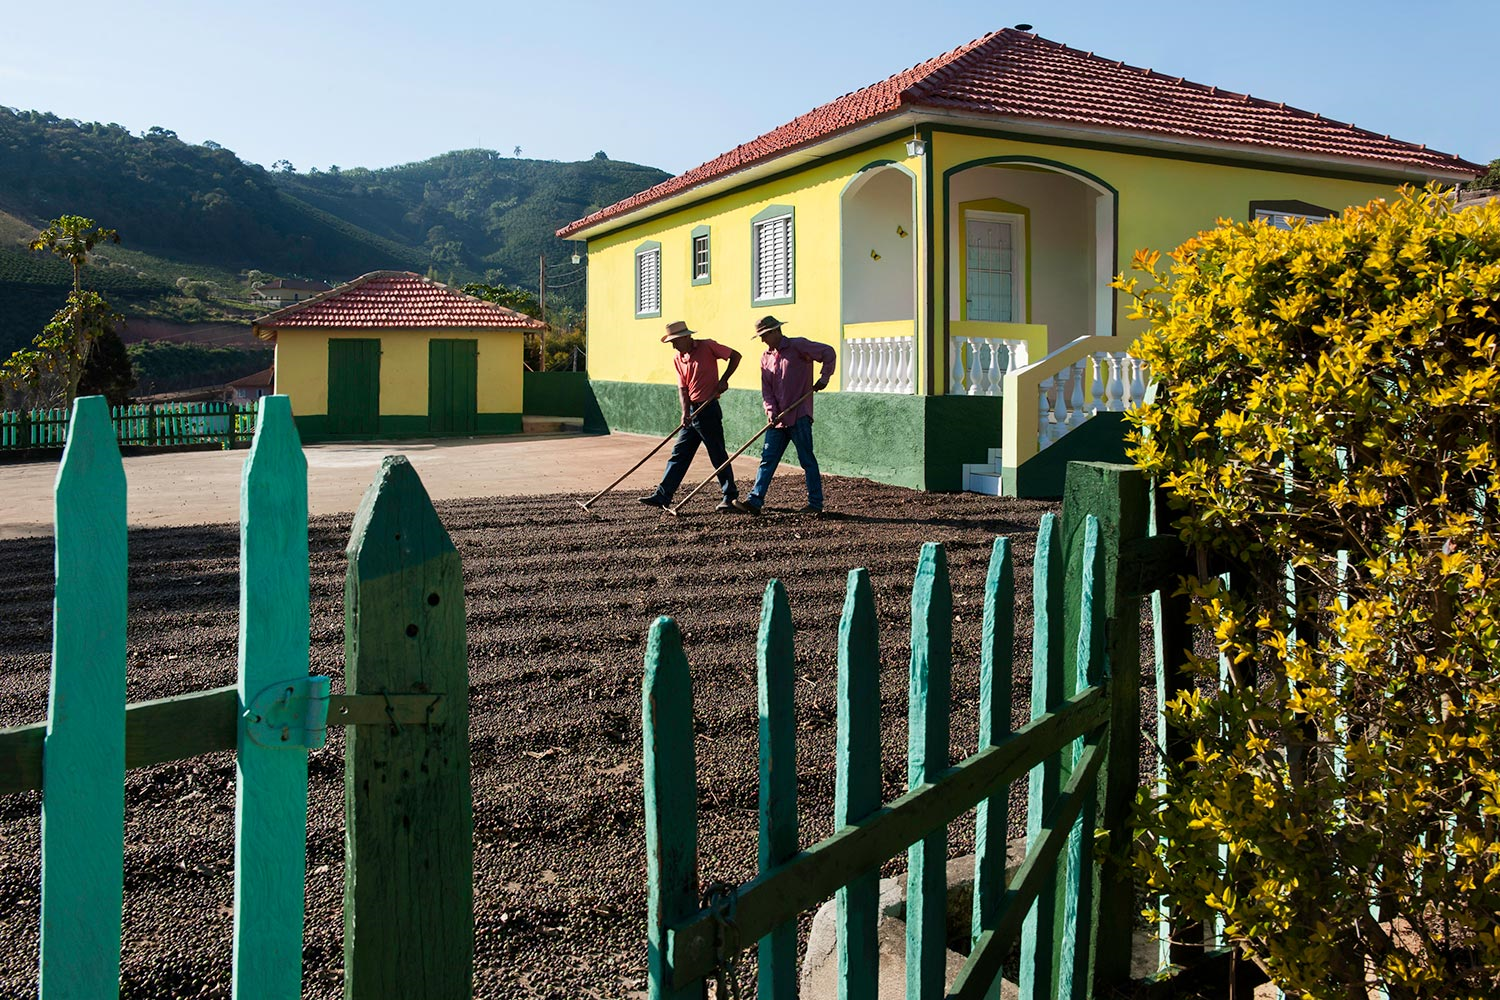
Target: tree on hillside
108,371
51,368
1489,180
519,299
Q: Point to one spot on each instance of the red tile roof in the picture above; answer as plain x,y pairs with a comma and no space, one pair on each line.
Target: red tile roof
384,300
1018,75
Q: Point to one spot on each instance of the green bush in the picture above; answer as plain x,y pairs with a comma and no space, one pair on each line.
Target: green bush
1328,425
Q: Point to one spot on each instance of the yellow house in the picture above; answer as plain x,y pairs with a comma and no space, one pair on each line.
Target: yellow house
392,354
952,231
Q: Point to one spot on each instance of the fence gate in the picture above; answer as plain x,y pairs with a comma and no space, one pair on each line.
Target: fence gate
1070,912
408,910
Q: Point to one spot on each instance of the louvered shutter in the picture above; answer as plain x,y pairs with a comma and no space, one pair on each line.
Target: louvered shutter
773,258
648,281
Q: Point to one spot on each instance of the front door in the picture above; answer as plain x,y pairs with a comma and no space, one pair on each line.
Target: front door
994,257
453,386
354,387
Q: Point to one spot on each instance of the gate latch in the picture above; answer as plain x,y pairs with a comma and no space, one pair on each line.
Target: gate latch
295,713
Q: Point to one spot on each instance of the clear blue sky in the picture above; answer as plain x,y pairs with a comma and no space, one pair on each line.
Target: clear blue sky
674,84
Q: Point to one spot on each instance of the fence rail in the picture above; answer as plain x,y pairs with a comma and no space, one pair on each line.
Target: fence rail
409,842
159,425
1070,912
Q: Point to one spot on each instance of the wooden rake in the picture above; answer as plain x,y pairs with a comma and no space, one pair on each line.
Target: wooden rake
712,475
586,504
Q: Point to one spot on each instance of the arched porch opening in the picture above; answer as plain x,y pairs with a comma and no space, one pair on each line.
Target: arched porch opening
878,280
1030,254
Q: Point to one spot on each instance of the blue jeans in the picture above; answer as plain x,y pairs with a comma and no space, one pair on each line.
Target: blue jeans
799,434
707,426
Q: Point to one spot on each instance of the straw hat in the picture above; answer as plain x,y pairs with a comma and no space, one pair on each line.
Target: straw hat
676,329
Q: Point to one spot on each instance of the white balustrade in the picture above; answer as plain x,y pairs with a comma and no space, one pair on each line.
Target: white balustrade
879,364
977,366
1104,382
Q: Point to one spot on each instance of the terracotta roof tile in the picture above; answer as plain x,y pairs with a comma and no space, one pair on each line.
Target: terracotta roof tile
383,300
1018,75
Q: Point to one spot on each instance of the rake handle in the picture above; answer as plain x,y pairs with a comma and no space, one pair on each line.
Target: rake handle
661,444
769,424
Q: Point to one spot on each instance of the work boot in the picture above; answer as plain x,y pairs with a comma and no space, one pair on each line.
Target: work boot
656,499
725,506
810,509
745,507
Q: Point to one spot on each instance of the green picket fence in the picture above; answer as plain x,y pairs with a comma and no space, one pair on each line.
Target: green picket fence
409,842
158,425
1071,912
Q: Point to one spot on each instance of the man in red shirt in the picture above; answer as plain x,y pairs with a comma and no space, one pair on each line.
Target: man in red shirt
700,386
786,376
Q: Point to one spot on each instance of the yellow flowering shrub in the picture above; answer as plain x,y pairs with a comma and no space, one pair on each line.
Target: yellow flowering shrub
1328,425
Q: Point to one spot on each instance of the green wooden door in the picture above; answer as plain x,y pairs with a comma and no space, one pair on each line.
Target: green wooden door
453,386
354,387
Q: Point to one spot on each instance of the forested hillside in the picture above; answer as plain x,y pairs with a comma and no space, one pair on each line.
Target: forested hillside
195,219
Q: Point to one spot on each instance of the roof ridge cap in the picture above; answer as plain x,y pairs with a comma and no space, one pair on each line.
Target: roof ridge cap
944,64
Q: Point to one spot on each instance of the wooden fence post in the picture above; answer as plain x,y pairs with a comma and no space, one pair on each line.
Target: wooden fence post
671,787
927,758
270,848
857,783
409,861
83,764
1078,894
1118,496
992,818
1038,973
776,687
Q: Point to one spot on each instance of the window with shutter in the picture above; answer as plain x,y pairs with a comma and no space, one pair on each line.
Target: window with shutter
773,257
698,255
648,280
1281,213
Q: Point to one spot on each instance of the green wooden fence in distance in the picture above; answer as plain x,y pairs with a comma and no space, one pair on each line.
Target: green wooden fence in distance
1070,913
409,853
158,425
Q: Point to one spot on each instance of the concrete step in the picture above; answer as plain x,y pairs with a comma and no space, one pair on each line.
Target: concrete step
551,425
982,479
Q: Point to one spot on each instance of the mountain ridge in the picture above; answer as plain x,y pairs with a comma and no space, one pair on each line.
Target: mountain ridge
194,220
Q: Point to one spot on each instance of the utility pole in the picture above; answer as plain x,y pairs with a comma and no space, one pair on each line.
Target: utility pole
541,294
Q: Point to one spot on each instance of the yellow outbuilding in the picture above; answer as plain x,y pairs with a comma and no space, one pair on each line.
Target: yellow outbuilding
392,354
953,231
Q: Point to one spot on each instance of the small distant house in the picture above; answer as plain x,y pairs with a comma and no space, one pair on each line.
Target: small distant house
251,387
286,291
392,354
953,231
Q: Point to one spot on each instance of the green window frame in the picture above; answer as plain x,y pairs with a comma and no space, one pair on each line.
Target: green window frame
773,256
699,260
1280,213
648,280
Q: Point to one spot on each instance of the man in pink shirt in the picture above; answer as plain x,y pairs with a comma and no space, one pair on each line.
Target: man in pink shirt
785,377
699,385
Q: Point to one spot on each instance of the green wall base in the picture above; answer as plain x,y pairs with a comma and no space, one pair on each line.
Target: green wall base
314,428
1100,439
921,442
555,394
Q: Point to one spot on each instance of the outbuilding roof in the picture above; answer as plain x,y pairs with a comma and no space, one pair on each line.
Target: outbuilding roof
1020,77
387,300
